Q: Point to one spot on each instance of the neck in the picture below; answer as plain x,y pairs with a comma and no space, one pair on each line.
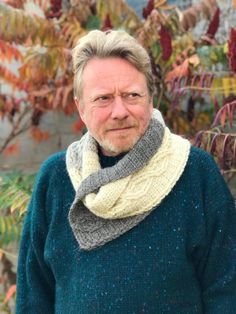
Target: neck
109,161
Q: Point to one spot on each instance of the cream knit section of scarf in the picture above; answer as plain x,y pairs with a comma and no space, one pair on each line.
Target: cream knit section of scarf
143,189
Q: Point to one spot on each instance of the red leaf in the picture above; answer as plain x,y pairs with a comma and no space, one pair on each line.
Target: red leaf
228,108
190,109
230,114
214,24
234,153
224,150
216,104
107,23
148,9
55,9
69,109
223,117
232,49
213,144
198,138
165,42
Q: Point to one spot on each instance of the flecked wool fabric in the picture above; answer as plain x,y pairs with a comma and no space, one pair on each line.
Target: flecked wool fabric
179,260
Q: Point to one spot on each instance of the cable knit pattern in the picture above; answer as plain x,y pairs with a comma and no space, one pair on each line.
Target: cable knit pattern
135,184
113,200
139,191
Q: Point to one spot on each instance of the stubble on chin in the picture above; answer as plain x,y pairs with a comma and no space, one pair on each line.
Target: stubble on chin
109,147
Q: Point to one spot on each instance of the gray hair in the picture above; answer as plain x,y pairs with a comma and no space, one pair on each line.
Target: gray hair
114,43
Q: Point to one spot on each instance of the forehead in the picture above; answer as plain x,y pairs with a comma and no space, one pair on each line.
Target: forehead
111,72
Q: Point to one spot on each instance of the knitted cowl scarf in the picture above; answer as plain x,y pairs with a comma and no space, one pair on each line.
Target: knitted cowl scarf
113,200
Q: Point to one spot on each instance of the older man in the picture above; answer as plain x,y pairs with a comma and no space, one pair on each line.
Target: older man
131,219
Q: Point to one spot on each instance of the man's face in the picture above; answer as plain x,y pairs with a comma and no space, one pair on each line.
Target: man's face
115,104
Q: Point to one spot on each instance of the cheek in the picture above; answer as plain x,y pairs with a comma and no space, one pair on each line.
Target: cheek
96,119
144,116
148,112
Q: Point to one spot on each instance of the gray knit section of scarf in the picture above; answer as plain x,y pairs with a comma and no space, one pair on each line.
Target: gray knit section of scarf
92,231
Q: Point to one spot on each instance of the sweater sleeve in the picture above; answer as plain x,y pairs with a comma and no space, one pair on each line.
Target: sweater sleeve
35,281
215,257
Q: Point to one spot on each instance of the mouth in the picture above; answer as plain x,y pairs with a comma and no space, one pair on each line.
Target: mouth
121,129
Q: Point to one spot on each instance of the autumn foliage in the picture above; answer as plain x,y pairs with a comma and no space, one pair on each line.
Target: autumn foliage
232,50
197,100
182,66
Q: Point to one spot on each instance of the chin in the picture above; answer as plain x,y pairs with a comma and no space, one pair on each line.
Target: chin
111,148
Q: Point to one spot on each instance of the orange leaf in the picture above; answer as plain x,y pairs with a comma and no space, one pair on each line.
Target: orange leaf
10,293
182,69
11,78
178,71
9,52
39,135
41,92
234,4
77,126
11,150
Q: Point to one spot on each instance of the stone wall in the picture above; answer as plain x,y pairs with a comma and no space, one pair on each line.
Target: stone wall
31,153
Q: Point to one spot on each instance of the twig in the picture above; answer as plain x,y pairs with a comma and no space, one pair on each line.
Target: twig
14,133
8,254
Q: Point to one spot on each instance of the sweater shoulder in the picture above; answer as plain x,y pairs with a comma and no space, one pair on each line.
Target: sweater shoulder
205,173
203,165
51,180
54,161
201,157
53,164
51,170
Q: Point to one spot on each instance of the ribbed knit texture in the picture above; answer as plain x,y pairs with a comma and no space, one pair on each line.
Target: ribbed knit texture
135,184
103,190
178,260
117,198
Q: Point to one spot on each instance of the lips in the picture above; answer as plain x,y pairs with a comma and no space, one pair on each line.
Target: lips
121,129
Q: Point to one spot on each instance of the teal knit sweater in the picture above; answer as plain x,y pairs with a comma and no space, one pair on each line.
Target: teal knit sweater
180,259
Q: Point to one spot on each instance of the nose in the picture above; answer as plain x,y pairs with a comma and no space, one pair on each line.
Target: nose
119,110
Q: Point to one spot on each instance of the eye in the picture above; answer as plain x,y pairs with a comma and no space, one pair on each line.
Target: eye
132,95
102,98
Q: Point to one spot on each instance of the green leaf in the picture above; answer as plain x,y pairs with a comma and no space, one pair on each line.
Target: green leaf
156,50
93,22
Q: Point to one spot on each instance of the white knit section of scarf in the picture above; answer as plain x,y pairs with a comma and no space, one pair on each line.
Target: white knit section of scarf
140,191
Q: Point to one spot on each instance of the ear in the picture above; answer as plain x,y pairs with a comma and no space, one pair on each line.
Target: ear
80,108
151,104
